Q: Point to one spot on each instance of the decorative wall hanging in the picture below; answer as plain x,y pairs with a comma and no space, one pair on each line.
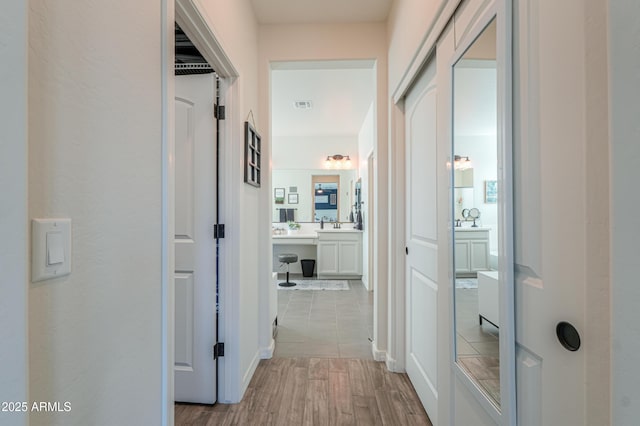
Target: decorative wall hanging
490,191
252,154
293,198
278,195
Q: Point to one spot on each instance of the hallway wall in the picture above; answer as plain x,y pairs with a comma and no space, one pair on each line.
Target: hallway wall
94,156
408,25
13,209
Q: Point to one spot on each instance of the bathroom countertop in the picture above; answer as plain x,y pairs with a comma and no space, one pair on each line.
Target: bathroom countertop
338,230
313,234
470,229
309,237
296,235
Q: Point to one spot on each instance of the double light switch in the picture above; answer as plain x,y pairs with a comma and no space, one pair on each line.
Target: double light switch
51,248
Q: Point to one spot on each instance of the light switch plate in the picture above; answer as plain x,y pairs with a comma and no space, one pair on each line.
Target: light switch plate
50,240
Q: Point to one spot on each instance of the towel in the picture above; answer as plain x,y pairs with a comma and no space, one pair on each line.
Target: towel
291,215
283,215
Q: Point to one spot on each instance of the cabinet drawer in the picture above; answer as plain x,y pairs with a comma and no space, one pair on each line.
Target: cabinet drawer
339,236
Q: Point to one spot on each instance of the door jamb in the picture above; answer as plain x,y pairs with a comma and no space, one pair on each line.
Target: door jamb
371,213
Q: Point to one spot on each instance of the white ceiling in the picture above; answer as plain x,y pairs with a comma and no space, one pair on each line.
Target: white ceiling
340,93
320,11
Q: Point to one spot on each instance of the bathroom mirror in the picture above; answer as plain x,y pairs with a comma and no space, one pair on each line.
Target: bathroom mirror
476,225
302,182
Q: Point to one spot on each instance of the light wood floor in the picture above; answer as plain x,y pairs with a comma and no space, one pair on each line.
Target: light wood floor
316,391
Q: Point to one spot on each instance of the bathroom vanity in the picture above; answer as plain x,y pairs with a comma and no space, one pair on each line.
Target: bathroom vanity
471,250
338,252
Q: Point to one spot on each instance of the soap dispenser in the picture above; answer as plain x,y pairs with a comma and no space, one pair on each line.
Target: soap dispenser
322,223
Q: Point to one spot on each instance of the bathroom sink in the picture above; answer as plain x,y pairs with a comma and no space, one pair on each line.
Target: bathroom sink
345,229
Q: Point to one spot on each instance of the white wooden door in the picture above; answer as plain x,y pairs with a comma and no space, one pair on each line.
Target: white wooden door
422,240
195,273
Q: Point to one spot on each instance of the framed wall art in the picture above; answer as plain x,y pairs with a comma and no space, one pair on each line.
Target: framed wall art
490,191
252,154
278,195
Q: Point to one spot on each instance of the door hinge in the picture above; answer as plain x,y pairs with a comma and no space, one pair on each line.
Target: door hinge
218,231
219,112
218,350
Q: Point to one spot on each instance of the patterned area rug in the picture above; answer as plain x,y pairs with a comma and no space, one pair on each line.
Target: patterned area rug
466,283
317,285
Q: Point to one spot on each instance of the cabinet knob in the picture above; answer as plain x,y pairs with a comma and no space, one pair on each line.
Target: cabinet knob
406,250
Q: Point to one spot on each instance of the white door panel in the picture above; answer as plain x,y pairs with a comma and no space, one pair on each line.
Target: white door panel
327,258
479,255
184,169
195,276
184,322
422,240
421,343
350,254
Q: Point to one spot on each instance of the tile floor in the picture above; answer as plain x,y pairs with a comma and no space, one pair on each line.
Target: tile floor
477,345
325,323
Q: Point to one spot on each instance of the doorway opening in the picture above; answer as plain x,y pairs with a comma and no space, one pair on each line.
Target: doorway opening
322,129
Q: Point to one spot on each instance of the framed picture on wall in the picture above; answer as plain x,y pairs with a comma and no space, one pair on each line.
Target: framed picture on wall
293,198
278,195
252,155
490,191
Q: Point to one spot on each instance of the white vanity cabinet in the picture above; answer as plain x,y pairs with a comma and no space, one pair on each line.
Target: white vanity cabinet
339,253
471,251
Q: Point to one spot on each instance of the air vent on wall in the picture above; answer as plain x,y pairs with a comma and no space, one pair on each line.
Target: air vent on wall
302,104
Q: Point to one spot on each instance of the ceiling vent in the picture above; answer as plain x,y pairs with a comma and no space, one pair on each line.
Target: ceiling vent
302,104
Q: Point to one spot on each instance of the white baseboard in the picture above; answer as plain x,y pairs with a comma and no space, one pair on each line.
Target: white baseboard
392,365
248,375
378,355
267,353
365,282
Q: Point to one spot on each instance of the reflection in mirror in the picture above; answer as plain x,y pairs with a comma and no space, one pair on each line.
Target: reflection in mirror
325,202
475,214
464,178
303,183
356,214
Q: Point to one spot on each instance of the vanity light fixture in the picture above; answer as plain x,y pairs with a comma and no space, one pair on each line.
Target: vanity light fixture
337,161
461,163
